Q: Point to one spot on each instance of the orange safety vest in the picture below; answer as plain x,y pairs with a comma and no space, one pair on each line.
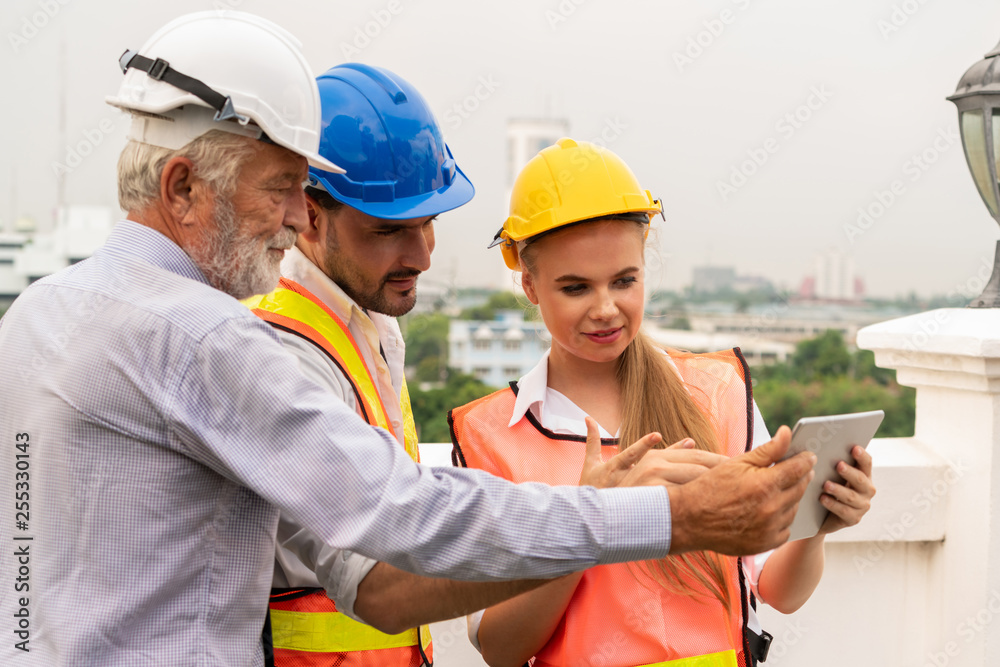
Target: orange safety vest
619,616
306,628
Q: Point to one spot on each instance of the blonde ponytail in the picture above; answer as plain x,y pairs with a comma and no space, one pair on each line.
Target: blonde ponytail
655,399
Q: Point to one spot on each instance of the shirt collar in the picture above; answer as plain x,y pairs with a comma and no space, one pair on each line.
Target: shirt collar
531,389
134,239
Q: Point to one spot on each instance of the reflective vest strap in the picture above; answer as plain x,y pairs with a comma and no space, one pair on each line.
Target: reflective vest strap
293,307
720,659
323,632
409,426
364,409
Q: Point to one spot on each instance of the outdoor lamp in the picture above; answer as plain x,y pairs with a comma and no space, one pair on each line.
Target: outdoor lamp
978,100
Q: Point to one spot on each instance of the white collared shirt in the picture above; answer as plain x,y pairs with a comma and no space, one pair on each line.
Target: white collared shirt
369,330
560,415
340,571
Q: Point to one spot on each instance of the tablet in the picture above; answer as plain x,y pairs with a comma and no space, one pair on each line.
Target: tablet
831,438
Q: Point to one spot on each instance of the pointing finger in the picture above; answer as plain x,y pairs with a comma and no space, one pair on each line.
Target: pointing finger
592,453
631,456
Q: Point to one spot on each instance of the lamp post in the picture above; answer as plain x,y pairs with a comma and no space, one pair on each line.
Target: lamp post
978,100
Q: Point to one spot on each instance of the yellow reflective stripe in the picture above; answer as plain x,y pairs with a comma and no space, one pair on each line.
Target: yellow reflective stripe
720,659
293,305
331,632
409,427
425,637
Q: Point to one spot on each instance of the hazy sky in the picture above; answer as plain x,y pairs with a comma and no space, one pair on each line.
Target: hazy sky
839,102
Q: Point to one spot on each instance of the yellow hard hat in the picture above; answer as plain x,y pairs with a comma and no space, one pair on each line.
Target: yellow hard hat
568,182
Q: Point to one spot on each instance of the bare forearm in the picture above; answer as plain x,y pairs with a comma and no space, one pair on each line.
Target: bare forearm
392,600
513,631
792,573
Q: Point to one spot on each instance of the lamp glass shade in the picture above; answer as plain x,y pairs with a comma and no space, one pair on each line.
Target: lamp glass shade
974,141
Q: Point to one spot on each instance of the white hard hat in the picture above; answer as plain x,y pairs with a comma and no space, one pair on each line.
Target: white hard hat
222,70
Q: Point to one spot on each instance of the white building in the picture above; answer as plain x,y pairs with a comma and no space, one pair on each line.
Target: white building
836,278
497,351
756,350
11,282
26,257
527,136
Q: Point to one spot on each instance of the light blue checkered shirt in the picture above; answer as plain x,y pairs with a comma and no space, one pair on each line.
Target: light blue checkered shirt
166,427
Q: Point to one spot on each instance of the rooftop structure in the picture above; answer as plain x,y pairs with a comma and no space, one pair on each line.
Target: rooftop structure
499,350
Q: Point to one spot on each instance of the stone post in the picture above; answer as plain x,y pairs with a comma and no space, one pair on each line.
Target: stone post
952,357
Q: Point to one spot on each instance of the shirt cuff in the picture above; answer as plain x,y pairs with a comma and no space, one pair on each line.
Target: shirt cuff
340,572
637,522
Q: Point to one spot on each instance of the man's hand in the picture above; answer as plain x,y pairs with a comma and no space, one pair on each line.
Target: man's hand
639,466
742,506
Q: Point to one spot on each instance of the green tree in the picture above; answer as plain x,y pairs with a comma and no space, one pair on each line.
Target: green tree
426,337
863,366
784,402
823,356
824,378
430,407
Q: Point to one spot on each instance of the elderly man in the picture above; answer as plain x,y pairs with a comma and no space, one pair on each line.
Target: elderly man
155,428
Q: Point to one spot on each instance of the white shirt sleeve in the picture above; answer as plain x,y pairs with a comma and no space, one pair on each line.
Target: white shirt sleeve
474,620
752,565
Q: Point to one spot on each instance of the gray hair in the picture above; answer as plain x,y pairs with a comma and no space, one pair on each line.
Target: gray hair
217,157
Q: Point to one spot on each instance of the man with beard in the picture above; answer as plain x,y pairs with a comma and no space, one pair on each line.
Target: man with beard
352,272
154,428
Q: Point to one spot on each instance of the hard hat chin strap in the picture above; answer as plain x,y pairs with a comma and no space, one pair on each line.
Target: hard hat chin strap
160,70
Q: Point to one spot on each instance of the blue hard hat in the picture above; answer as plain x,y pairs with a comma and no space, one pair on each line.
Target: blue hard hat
381,131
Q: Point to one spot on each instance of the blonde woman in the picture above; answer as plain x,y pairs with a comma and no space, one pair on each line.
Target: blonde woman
576,231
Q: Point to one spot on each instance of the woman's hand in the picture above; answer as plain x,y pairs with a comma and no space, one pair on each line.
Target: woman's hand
640,465
848,502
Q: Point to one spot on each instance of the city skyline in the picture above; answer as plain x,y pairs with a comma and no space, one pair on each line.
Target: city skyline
772,131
